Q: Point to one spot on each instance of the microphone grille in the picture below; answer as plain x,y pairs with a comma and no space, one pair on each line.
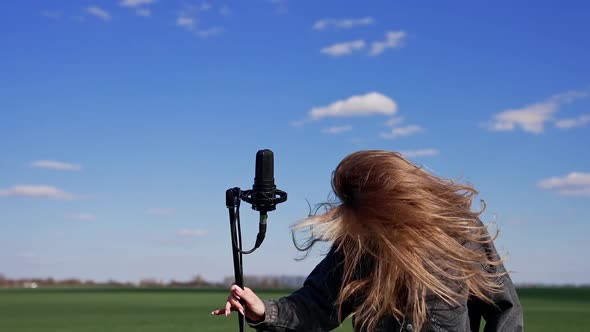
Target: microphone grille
264,168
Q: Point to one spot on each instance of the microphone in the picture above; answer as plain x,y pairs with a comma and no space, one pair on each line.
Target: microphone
264,182
264,195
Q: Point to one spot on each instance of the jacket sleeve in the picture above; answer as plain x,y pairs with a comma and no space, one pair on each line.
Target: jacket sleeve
505,311
312,307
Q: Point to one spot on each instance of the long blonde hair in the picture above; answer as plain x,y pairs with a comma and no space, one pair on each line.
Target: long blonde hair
414,228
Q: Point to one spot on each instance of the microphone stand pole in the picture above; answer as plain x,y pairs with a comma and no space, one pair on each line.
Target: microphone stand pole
232,198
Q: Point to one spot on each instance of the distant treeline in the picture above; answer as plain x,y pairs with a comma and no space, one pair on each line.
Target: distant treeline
259,282
256,282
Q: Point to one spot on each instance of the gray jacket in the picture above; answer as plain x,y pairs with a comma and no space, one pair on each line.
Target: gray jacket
312,308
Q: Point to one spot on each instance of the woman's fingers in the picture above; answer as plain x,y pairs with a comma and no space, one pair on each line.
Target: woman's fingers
218,312
254,306
248,297
235,304
232,304
245,301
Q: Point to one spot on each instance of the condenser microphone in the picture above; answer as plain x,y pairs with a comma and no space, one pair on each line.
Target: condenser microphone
264,188
264,195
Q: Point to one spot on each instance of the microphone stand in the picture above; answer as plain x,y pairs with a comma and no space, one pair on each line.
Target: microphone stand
262,199
232,199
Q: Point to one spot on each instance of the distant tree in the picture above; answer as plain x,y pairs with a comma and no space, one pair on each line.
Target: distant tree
149,282
198,281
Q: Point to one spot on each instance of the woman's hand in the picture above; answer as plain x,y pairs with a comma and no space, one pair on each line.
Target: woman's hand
254,307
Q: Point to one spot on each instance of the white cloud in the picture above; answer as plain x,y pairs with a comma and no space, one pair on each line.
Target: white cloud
368,104
408,130
392,122
573,122
420,153
532,118
342,23
145,12
299,123
81,216
56,165
41,191
193,232
402,131
280,6
99,12
205,6
186,22
52,14
393,39
206,33
135,3
345,48
573,184
337,129
163,212
188,19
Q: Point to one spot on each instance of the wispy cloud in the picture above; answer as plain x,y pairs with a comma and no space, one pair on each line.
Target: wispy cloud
135,3
392,122
532,118
55,165
52,14
393,39
580,121
407,130
337,129
188,19
345,48
402,131
419,153
361,105
139,6
99,13
573,184
145,12
205,6
37,191
162,212
186,22
81,216
280,6
206,33
193,232
347,23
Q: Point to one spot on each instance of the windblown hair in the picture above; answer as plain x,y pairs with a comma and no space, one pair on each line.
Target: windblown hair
414,228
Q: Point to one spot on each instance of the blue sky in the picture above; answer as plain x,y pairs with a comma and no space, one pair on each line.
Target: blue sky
122,123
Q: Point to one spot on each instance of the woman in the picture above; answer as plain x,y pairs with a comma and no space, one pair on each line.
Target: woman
408,254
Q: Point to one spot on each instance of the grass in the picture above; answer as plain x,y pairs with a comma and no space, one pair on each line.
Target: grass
171,310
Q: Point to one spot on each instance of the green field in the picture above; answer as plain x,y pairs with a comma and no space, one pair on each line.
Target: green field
171,310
